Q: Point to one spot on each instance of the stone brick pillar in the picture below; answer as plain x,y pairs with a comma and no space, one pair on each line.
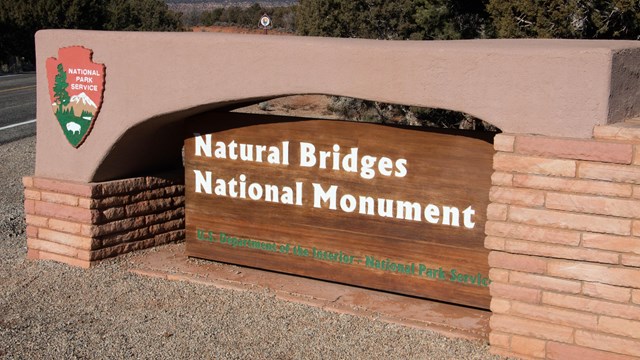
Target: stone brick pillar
564,230
81,223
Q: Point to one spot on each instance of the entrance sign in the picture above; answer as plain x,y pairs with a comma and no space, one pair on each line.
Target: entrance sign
76,85
390,208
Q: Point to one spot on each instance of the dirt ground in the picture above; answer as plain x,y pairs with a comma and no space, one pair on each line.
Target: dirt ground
310,106
236,30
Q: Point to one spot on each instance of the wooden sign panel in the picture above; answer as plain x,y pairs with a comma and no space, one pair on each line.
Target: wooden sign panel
396,209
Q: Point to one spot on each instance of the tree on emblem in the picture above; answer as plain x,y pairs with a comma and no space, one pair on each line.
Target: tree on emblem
60,88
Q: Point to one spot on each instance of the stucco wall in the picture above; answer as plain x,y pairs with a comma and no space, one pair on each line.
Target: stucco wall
154,80
564,222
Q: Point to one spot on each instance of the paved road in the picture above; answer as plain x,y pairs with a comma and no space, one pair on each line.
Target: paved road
17,105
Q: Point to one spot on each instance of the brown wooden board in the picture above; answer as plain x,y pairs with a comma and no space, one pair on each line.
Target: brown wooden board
432,171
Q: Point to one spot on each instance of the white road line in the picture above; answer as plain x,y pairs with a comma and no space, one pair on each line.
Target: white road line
19,105
18,124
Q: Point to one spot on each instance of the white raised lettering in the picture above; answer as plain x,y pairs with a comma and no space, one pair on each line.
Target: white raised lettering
203,145
203,182
320,195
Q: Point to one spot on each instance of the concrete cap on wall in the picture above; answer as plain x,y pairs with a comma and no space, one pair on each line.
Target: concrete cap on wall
156,80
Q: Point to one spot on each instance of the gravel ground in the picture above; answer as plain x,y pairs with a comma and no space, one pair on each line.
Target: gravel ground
53,311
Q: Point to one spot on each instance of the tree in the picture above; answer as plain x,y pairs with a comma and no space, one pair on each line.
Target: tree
86,14
19,20
569,19
284,17
402,19
60,93
451,19
209,18
141,15
251,15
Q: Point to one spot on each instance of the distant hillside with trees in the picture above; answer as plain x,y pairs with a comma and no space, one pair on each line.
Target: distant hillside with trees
282,17
373,19
428,19
460,19
241,3
566,19
19,21
402,19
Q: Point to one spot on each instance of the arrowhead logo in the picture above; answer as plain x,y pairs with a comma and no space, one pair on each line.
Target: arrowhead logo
76,86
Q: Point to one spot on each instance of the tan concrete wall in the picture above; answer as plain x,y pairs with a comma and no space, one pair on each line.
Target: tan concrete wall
153,80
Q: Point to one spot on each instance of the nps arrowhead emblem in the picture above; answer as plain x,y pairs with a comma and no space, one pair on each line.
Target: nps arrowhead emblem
76,86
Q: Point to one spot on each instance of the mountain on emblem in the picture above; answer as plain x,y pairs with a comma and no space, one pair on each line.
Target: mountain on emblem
76,86
84,99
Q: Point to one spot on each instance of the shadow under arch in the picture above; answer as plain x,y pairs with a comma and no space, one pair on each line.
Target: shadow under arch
155,145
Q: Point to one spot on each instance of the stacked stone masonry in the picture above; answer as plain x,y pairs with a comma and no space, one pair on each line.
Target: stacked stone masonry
81,223
564,233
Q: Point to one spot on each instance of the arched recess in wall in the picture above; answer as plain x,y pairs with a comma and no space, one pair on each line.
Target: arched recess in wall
154,145
414,195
